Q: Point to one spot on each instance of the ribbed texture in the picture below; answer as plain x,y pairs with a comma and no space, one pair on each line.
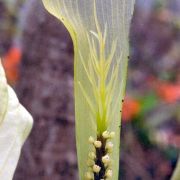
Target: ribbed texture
99,30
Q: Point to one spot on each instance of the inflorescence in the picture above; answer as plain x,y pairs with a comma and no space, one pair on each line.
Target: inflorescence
99,162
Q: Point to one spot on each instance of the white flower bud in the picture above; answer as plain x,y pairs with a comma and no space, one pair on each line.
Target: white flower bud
96,168
92,155
109,173
109,146
106,159
91,140
88,175
105,134
97,144
90,162
112,134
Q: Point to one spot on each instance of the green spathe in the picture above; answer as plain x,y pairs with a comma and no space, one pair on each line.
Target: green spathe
100,30
15,126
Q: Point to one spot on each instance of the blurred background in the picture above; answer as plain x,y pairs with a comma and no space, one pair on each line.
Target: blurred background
37,54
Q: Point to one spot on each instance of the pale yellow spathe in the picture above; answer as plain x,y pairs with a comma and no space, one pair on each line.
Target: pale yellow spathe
100,34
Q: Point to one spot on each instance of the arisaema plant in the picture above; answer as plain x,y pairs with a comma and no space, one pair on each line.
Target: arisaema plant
99,30
15,125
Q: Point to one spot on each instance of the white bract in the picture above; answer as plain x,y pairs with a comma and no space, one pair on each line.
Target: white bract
15,125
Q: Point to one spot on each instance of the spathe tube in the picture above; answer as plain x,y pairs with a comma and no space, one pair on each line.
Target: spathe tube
100,30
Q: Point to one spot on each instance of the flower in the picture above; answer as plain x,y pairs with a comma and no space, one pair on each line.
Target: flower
168,92
131,108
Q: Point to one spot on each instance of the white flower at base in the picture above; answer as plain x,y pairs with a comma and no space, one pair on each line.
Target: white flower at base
97,144
96,168
15,125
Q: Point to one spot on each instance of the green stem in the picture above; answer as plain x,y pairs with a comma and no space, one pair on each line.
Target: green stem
176,174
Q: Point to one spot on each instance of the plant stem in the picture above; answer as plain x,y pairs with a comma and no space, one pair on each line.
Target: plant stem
176,174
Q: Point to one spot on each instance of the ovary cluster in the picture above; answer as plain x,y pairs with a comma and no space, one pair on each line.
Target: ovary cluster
99,162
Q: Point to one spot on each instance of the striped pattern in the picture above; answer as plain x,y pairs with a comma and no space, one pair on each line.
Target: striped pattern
95,26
